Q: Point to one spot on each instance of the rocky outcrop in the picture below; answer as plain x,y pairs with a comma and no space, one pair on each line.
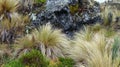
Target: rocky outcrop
58,13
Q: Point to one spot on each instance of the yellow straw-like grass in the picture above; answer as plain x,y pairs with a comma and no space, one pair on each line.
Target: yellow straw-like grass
96,52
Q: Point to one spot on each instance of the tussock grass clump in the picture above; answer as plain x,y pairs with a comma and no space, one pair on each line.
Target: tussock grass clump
15,21
95,51
9,5
85,34
11,29
51,42
109,16
5,53
116,52
12,24
26,42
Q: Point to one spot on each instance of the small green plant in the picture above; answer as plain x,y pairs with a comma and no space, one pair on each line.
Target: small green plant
109,33
14,63
34,59
115,48
62,62
73,8
66,62
40,1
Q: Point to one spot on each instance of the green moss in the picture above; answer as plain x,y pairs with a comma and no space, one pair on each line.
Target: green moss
73,8
62,62
34,59
14,63
66,62
40,1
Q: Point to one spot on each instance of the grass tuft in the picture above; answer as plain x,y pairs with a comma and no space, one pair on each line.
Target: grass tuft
51,41
8,6
96,52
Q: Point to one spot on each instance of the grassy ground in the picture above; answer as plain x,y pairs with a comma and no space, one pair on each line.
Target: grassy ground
96,45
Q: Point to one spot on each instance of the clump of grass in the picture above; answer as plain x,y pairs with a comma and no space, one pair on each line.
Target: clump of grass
5,53
10,29
24,45
15,21
12,24
9,5
97,27
115,48
105,16
96,52
26,42
85,34
51,42
115,52
109,33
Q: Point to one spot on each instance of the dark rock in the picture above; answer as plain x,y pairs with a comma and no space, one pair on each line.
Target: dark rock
56,5
117,19
58,14
60,19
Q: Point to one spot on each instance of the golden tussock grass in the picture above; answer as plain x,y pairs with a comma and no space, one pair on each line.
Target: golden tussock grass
8,5
93,50
51,42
